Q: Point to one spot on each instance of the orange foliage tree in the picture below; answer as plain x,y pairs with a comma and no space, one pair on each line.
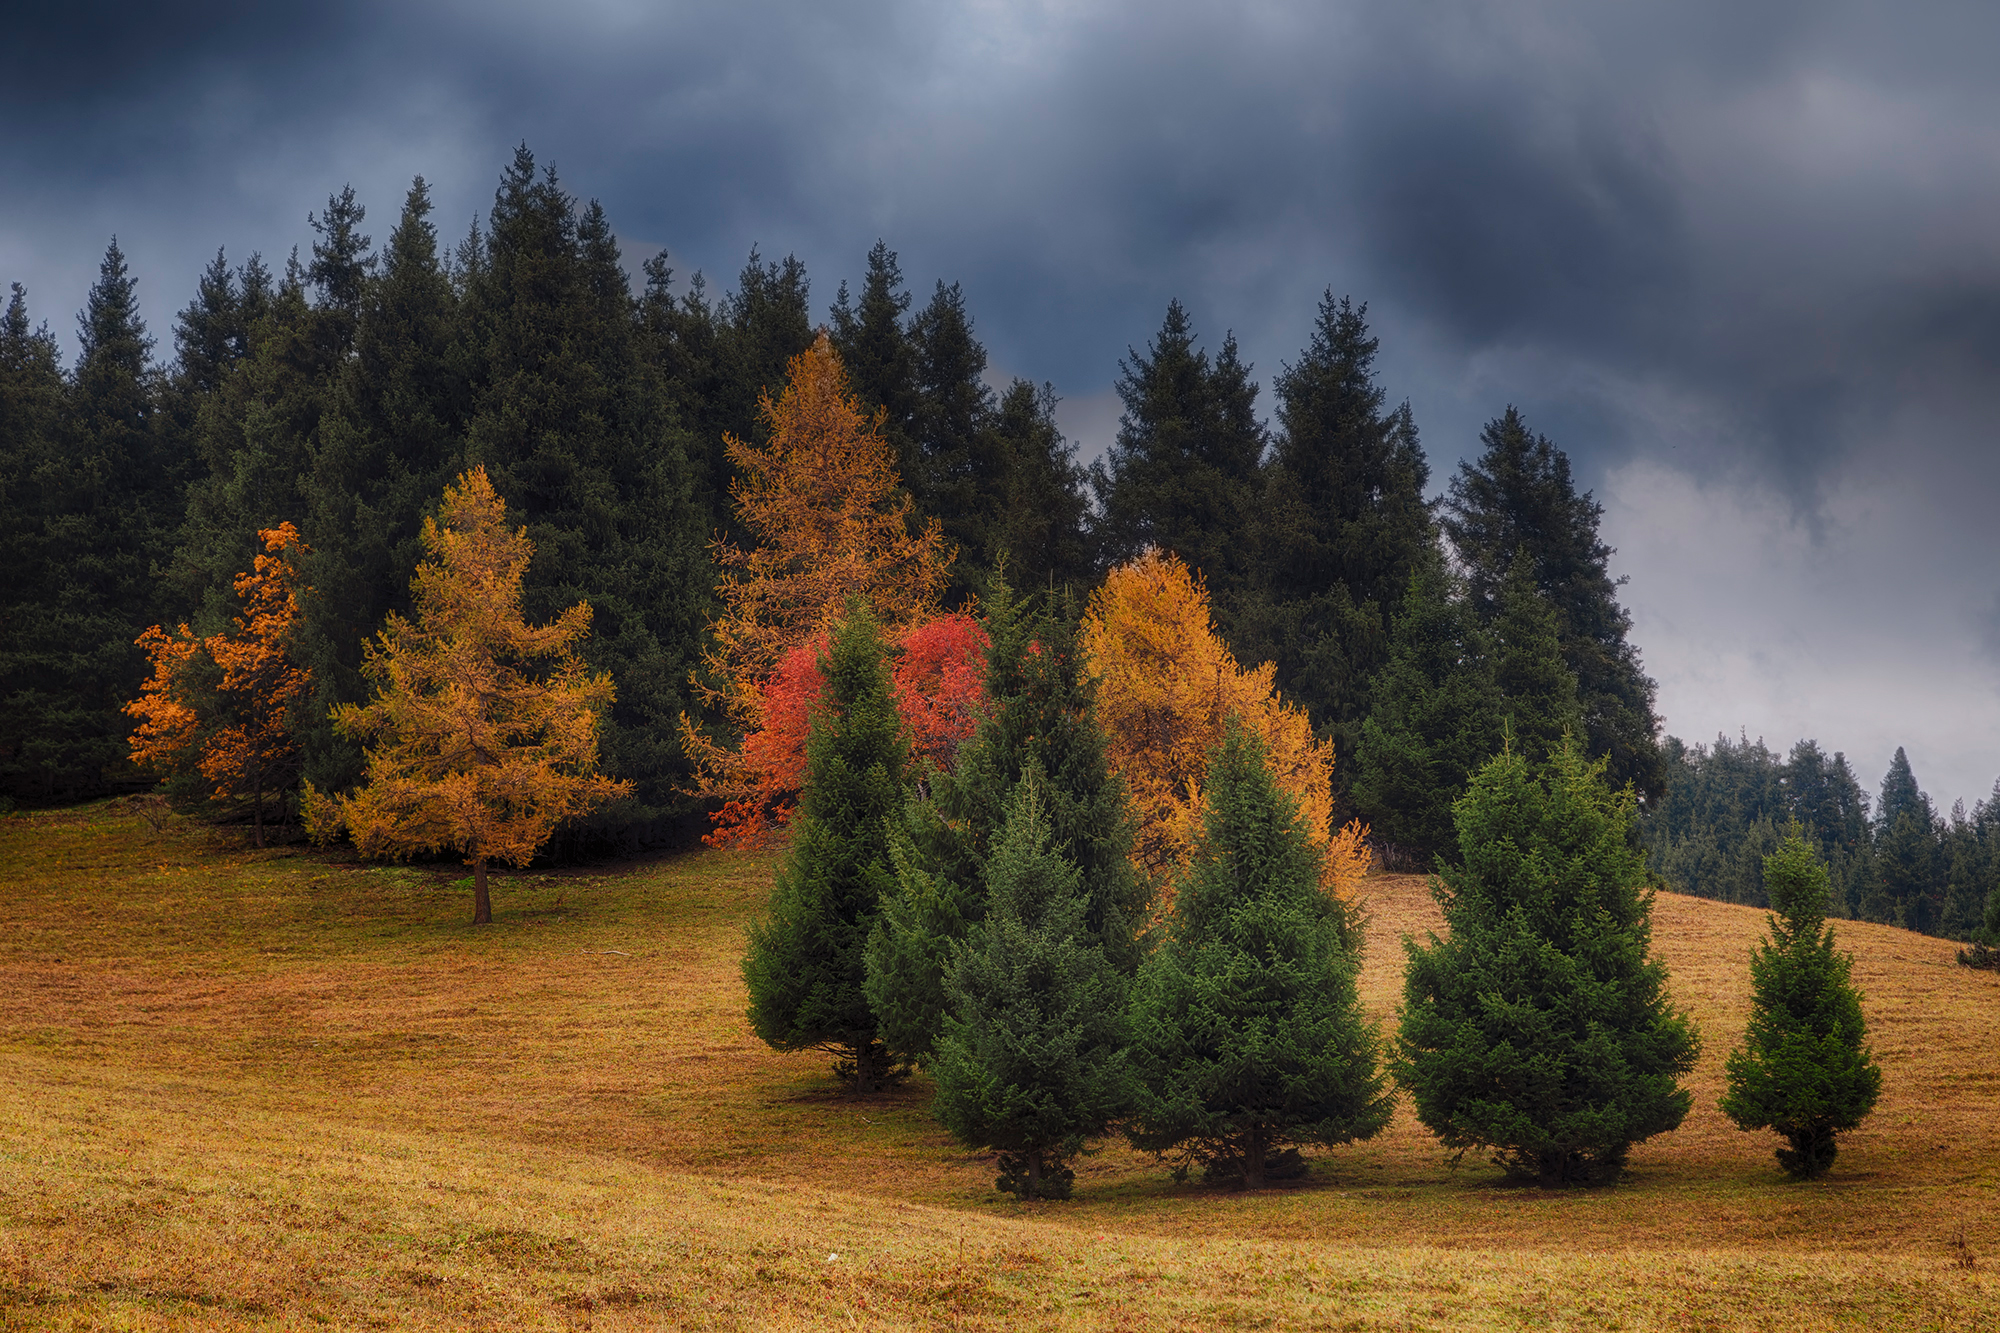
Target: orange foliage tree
484,728
824,502
1166,687
215,715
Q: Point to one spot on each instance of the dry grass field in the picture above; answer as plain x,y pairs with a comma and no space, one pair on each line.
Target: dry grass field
286,1090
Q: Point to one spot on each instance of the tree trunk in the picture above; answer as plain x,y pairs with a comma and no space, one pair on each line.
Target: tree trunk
1253,1160
1034,1174
257,812
482,906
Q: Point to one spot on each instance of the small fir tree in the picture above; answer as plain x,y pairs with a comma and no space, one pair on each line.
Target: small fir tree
1248,1035
476,746
1540,1028
1803,1069
1032,1061
806,963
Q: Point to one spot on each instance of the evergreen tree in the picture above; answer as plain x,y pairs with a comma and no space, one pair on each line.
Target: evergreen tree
1043,528
1042,717
1436,717
574,426
881,363
1342,526
1185,467
1803,1068
31,489
1540,1028
806,963
1517,498
961,475
1537,691
1908,883
392,442
1248,1034
1032,1060
1970,871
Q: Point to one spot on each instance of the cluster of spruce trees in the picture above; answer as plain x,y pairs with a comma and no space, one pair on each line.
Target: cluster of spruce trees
986,922
1727,806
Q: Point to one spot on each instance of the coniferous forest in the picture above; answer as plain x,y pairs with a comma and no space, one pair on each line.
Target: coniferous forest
147,488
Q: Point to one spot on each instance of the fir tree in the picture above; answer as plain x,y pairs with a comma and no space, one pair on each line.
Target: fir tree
806,962
1032,1060
1803,1069
1342,526
1435,721
1043,529
1184,469
1517,498
1041,716
1540,1028
961,475
881,363
1537,691
1248,1035
1908,888
31,490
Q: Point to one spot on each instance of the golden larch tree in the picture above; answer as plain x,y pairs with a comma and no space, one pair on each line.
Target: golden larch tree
1166,687
483,732
221,706
831,522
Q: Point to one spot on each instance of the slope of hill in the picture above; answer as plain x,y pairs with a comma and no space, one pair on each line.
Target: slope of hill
276,1089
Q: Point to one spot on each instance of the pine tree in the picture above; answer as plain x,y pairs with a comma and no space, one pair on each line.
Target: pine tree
31,488
881,363
1537,691
1032,1060
807,958
483,728
1342,525
1184,470
1436,717
1041,716
1248,1034
1804,1069
1908,883
574,425
1043,529
393,440
962,477
1540,1028
1517,497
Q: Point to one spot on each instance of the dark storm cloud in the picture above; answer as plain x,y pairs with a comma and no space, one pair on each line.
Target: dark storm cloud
1742,261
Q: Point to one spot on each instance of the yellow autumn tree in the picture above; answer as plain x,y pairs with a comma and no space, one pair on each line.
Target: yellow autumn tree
483,732
824,503
1166,687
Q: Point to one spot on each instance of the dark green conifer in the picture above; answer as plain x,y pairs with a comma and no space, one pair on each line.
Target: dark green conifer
1342,525
1540,1027
1041,715
1436,718
32,488
1517,497
1043,528
1185,468
960,472
876,350
1032,1060
1248,1034
1804,1068
806,962
1537,691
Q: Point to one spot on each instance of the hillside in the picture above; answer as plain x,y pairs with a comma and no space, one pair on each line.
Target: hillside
278,1089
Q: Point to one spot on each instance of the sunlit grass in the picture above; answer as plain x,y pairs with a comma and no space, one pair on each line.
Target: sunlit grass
280,1088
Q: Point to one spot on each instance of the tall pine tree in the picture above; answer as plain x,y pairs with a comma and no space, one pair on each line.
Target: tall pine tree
1908,887
33,486
1516,499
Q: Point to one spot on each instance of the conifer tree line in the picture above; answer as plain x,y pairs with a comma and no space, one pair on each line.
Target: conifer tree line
1893,858
341,391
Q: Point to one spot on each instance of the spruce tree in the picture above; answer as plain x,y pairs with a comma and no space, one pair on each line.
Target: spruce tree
1248,1035
881,363
1435,720
961,476
1804,1069
806,962
1184,470
31,485
1540,1027
1908,888
1044,527
1517,498
1342,525
1041,716
1032,1060
1537,690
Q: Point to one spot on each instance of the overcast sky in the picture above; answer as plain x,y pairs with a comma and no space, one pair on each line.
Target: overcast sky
1742,262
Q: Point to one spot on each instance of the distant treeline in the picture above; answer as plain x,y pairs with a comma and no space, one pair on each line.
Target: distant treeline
1727,807
343,390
